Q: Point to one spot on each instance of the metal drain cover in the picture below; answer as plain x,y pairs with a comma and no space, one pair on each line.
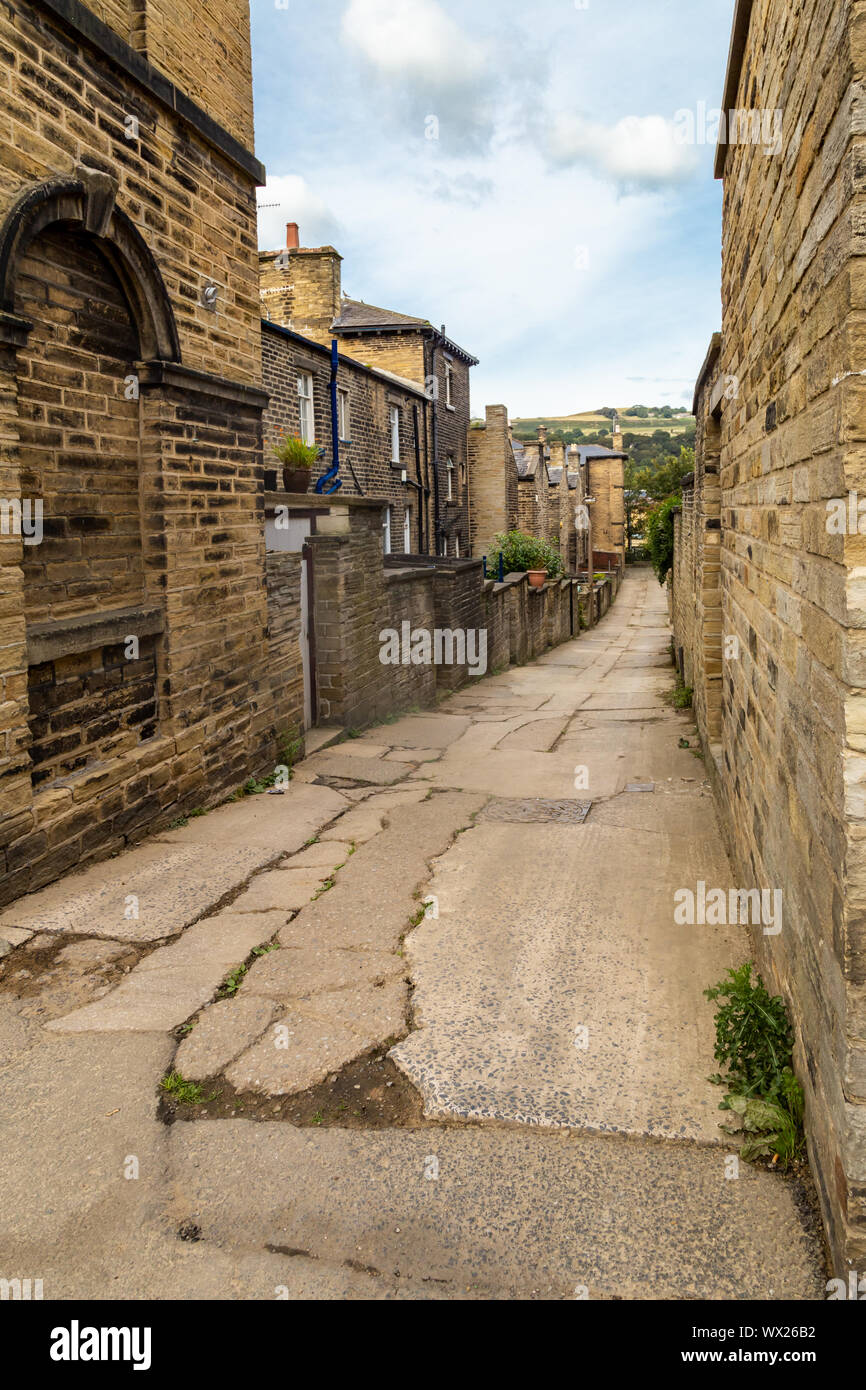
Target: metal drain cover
562,812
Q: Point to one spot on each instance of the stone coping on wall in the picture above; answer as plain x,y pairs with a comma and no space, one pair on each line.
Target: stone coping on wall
314,501
61,637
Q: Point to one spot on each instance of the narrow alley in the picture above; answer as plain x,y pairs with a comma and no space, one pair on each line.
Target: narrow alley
473,905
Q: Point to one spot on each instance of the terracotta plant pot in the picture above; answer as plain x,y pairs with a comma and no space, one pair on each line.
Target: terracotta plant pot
297,479
537,579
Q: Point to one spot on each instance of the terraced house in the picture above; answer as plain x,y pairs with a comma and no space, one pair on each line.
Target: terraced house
301,291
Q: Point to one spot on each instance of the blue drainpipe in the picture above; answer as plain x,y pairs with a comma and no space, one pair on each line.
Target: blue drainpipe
332,475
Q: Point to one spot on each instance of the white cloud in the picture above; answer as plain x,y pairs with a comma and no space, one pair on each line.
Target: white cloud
637,150
295,202
414,40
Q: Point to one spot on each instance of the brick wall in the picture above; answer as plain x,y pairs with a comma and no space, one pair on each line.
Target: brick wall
366,467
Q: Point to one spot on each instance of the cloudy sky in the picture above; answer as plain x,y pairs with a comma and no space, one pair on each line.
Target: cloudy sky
515,171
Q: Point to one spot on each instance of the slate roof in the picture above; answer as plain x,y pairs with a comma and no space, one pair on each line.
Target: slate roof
520,459
355,314
357,317
596,451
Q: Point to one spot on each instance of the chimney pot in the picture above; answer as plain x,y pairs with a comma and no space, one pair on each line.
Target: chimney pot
293,240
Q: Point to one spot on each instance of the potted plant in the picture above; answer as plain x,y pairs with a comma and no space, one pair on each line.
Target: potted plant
297,459
525,554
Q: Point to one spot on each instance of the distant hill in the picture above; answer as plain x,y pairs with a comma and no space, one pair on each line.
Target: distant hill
589,422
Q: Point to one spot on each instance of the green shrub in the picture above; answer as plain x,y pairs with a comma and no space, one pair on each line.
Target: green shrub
521,552
660,535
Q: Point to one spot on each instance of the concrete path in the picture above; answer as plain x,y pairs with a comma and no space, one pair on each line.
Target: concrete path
432,916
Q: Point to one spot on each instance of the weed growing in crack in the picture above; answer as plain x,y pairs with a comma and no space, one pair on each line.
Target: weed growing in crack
754,1042
232,983
186,1092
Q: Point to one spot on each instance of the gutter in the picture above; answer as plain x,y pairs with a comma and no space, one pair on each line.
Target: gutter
736,53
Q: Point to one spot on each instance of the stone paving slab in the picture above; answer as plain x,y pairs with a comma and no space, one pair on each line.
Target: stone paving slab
272,824
508,1209
179,876
222,1032
312,1050
170,984
173,884
520,960
324,1032
339,762
281,890
366,819
294,973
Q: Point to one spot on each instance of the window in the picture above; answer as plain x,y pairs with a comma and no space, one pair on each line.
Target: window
450,480
407,532
457,547
343,414
395,434
305,408
449,385
386,528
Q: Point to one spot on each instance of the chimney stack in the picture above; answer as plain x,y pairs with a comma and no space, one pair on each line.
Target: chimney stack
293,239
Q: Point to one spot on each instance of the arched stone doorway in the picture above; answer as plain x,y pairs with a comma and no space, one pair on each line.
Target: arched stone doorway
82,305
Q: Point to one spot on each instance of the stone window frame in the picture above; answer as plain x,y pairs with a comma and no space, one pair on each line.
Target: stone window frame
344,414
394,414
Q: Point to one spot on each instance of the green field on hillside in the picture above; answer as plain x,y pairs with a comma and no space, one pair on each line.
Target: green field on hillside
593,422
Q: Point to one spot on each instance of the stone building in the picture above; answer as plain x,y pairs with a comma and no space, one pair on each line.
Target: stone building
136,679
380,429
604,471
301,290
535,487
493,474
768,585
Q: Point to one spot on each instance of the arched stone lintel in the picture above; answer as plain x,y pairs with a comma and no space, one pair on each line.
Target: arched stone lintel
87,202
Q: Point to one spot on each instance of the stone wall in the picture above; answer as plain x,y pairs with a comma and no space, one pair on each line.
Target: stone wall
358,599
285,668
134,675
789,402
